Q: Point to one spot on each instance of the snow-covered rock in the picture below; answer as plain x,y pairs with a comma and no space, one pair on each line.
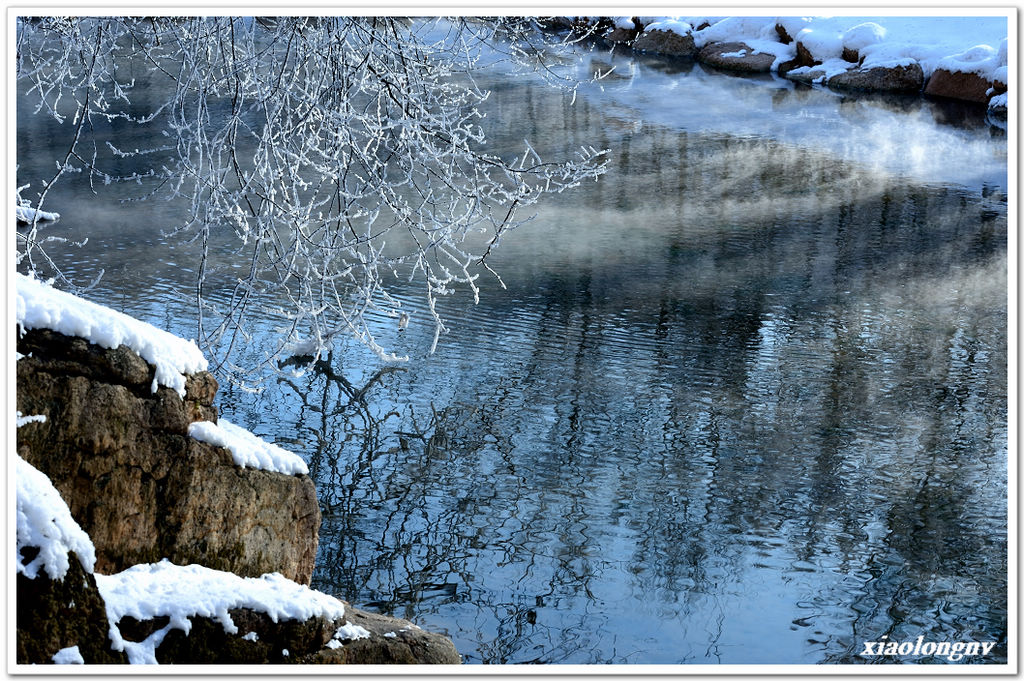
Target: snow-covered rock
662,41
136,481
896,78
959,85
738,56
40,306
248,450
178,596
851,53
46,528
58,607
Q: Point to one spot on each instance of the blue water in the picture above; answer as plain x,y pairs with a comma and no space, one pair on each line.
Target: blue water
743,400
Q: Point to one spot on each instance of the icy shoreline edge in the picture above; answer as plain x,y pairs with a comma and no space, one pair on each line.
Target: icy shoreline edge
858,59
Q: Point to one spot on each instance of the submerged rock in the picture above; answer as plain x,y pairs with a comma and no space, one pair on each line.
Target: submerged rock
139,486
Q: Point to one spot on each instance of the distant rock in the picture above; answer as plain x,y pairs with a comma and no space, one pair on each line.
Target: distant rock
959,85
52,615
895,79
809,76
619,35
593,26
666,42
852,56
735,57
804,56
784,37
139,486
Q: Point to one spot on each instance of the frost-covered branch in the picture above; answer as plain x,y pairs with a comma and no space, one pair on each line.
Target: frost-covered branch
333,155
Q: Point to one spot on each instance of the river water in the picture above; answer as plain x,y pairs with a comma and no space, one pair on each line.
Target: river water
743,400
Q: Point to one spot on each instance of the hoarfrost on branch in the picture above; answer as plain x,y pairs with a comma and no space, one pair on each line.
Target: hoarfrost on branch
333,154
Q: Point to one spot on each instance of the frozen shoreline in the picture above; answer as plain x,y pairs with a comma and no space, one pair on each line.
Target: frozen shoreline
963,58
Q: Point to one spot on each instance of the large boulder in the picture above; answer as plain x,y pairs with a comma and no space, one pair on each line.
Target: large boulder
902,79
959,85
666,42
735,56
137,483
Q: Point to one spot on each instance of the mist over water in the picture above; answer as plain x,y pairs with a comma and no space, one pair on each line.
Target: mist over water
742,400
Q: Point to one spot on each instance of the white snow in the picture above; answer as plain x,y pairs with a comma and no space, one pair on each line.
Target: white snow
248,450
45,522
27,214
251,636
736,29
25,420
959,43
862,35
40,306
163,589
668,24
980,59
351,632
68,656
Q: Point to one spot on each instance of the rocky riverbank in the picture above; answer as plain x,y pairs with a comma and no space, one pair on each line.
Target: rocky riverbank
850,60
172,549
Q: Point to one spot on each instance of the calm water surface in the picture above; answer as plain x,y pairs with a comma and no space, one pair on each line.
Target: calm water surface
744,399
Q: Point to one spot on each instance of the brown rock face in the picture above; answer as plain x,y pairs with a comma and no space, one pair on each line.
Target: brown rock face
897,79
966,86
666,42
208,643
725,56
259,640
121,457
57,614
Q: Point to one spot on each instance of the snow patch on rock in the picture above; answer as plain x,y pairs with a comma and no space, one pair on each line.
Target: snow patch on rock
40,306
45,523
